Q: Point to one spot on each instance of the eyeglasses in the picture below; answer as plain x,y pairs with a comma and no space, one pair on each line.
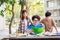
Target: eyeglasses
35,20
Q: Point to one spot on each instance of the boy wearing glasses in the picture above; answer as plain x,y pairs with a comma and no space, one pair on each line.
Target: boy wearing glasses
35,27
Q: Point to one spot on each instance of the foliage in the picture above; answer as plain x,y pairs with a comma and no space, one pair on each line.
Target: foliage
1,13
35,7
22,2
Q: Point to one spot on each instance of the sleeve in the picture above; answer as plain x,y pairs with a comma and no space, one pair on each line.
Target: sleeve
20,26
29,27
39,26
30,22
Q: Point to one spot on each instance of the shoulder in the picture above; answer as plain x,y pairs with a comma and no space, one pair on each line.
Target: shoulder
52,19
42,21
29,19
19,19
39,25
29,26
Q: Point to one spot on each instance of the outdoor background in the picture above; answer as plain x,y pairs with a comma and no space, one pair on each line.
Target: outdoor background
10,11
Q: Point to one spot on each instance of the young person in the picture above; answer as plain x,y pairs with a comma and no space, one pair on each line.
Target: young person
35,27
24,22
49,23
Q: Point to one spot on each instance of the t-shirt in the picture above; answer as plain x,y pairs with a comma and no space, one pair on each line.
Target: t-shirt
26,23
37,29
37,26
49,24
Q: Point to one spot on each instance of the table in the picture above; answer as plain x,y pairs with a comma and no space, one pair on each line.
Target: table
33,38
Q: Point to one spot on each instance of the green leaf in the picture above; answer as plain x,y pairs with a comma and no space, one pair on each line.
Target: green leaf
1,13
22,2
11,2
1,2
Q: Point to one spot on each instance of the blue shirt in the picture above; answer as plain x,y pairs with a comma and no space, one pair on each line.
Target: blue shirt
37,26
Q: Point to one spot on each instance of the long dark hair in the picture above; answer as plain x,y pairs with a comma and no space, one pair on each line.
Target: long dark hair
22,16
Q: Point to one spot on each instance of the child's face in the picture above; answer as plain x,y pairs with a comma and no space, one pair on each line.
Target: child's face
35,21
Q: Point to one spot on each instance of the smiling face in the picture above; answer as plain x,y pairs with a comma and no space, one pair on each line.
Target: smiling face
35,21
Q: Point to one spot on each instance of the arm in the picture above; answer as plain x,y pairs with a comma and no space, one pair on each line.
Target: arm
42,23
54,24
29,29
20,26
56,28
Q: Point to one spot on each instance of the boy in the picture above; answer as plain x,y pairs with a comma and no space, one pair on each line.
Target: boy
35,27
49,23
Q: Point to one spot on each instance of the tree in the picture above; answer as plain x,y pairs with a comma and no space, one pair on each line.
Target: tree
22,3
1,11
27,6
11,2
36,8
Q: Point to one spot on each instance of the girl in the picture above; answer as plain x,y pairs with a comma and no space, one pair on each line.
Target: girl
24,22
